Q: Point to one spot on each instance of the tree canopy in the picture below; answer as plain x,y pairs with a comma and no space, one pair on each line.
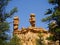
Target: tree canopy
4,25
53,19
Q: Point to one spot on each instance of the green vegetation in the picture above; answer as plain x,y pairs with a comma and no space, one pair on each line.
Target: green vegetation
15,41
4,25
40,41
53,19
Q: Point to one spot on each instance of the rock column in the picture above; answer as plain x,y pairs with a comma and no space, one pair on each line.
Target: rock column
15,24
32,20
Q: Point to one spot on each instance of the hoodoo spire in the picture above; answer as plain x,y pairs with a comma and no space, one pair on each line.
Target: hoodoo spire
32,19
15,23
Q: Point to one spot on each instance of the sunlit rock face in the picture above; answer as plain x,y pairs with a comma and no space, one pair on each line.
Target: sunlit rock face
29,35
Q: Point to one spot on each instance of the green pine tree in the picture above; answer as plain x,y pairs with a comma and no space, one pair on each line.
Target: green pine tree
15,41
4,25
54,19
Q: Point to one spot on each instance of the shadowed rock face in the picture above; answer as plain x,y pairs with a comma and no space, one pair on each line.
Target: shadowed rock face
29,35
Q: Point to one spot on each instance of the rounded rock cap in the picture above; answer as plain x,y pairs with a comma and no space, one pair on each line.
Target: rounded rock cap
32,15
16,17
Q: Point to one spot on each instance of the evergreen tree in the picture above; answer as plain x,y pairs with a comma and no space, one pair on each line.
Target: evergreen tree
4,25
15,41
54,19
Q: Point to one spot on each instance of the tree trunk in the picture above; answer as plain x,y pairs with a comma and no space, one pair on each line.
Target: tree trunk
59,42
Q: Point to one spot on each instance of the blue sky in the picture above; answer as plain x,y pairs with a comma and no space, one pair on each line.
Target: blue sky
25,8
